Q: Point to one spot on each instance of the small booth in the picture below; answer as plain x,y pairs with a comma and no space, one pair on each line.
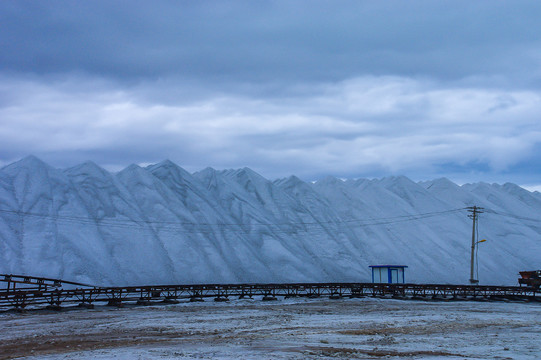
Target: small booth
388,274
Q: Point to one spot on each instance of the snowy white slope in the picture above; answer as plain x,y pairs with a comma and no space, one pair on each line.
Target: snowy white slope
161,224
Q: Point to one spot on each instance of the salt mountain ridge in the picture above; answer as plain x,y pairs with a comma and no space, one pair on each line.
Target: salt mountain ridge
163,225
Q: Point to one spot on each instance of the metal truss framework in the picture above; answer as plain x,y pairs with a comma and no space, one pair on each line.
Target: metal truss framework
21,292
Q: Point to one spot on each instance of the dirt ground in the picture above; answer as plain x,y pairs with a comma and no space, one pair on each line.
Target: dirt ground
283,329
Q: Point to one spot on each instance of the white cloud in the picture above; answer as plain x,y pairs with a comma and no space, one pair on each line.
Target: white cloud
359,126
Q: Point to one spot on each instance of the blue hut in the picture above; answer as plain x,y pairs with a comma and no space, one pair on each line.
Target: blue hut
388,274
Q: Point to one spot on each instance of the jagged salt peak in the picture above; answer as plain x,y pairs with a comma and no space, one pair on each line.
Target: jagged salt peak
88,169
161,224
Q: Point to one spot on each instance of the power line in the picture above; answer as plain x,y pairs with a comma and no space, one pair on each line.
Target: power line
512,215
289,227
209,227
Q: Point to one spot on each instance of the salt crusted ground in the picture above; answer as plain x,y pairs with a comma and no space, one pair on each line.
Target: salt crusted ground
285,329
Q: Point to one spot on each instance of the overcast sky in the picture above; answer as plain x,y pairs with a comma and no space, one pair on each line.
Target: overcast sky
352,89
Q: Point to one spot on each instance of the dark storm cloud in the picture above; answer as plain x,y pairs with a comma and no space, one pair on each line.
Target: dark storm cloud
247,41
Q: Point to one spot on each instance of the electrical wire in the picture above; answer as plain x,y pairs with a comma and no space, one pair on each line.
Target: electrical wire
191,227
490,211
288,227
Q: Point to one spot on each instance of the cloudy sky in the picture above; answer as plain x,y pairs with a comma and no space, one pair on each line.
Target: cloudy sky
353,89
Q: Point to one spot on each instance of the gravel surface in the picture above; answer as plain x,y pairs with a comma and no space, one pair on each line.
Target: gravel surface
283,329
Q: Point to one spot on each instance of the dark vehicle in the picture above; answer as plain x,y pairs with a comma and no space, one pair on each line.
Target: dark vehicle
530,278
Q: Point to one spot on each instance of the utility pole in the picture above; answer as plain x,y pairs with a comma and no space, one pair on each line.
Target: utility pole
474,212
